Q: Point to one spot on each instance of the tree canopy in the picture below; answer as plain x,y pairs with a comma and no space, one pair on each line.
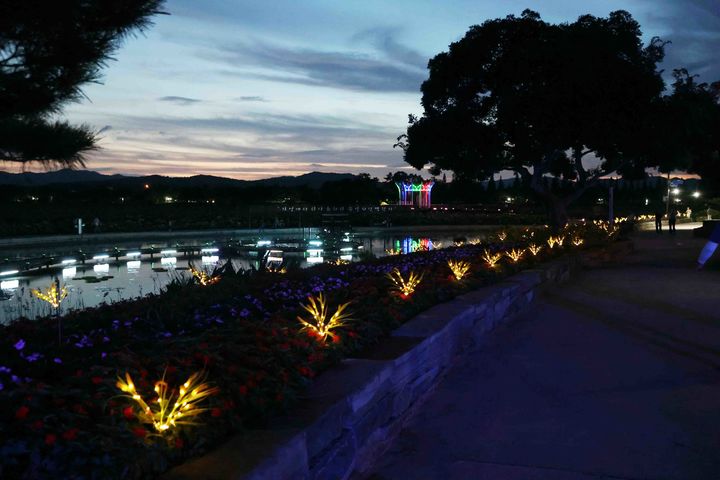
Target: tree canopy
539,99
48,51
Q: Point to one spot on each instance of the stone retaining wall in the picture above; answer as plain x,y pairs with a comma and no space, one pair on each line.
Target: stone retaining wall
352,412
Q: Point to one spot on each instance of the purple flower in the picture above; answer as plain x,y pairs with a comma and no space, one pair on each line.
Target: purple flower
1,386
244,313
4,369
33,357
19,345
57,360
103,355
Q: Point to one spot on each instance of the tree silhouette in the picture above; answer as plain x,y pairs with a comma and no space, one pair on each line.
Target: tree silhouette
538,99
688,136
48,51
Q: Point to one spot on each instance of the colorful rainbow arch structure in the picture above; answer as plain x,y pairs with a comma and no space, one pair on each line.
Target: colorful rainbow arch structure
415,194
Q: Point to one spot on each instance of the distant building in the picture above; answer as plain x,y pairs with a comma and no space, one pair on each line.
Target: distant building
415,194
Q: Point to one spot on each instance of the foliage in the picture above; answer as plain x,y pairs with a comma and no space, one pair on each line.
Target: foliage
48,51
536,98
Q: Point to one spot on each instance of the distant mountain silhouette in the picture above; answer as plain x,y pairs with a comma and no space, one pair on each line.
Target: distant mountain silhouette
67,176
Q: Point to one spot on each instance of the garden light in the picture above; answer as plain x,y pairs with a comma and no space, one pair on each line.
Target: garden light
515,255
502,236
491,259
278,267
170,409
406,287
459,268
54,294
320,324
577,241
534,249
203,278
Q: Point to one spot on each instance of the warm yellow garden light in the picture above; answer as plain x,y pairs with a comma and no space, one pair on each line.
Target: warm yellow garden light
320,324
491,259
459,268
406,287
170,408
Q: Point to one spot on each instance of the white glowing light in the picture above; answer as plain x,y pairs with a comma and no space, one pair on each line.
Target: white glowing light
133,265
8,272
9,284
264,243
168,261
133,254
346,257
675,191
346,249
314,250
69,272
315,259
170,251
315,243
210,259
101,256
209,250
696,194
68,261
101,268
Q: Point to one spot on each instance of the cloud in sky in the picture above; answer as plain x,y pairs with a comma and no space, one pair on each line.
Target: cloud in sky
325,68
253,98
179,100
271,89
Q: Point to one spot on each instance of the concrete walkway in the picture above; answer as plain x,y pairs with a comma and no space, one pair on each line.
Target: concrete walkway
615,376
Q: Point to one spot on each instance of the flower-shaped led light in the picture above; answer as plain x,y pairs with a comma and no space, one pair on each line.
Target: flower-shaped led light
320,324
54,294
405,287
491,259
459,268
515,255
171,408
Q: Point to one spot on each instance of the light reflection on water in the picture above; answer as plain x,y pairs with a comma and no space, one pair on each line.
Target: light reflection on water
103,280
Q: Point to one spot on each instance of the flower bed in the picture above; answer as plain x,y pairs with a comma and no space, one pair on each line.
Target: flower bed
64,415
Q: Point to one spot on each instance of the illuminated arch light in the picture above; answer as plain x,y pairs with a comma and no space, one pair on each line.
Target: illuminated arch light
415,194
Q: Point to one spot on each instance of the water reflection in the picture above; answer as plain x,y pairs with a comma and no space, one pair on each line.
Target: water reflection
101,268
69,273
134,274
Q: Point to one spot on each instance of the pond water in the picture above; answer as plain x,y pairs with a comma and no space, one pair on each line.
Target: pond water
105,279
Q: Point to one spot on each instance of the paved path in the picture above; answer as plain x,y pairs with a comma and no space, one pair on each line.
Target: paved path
616,376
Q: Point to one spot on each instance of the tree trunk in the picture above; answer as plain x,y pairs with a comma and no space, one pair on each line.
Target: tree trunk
557,212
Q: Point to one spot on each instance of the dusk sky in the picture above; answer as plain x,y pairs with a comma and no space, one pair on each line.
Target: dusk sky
250,89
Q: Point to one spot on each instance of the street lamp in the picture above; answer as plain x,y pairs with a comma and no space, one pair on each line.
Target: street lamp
696,194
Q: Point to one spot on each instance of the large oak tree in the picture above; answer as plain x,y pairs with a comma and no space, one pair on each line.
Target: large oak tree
540,99
48,51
